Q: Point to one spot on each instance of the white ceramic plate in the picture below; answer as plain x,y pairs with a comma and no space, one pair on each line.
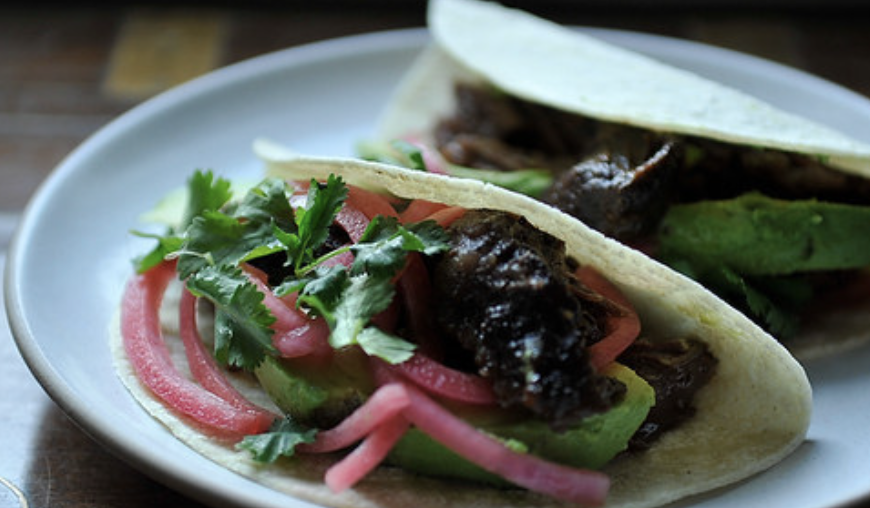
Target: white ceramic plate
71,255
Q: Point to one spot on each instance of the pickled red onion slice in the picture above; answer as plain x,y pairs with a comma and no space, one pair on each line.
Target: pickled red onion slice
622,328
202,365
367,456
145,347
582,486
387,402
438,379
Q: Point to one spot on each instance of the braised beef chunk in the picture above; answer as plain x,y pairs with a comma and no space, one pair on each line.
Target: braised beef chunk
615,178
504,291
676,370
624,188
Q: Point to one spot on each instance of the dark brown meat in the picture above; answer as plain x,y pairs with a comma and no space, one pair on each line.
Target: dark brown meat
621,184
619,179
504,292
676,370
490,130
624,189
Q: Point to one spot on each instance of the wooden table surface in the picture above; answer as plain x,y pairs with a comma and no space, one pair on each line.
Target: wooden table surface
65,72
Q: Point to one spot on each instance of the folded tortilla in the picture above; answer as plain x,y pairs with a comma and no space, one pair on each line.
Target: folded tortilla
753,413
545,63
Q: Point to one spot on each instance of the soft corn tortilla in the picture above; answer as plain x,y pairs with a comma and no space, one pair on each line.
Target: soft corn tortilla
755,411
546,63
540,61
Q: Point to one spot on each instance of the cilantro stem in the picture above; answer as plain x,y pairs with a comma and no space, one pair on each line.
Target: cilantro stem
310,267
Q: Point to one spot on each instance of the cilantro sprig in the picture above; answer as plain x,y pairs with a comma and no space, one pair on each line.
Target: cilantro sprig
204,194
280,440
312,224
349,299
217,235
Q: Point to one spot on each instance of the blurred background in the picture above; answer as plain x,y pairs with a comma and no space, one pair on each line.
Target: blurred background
68,68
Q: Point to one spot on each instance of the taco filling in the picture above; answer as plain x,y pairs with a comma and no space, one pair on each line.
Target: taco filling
440,343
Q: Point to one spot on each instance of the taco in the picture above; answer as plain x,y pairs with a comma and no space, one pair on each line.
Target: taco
767,209
367,336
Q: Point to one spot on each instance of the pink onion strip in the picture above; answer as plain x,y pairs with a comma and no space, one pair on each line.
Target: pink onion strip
433,160
447,216
296,334
415,289
367,456
369,203
145,347
422,368
622,329
582,486
438,379
420,209
353,221
387,401
203,366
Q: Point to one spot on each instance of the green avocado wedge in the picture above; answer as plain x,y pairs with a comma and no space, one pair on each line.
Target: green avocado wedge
314,396
757,235
310,396
591,445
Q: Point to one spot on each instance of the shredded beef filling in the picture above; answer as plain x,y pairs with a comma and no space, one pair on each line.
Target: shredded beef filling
505,295
619,179
504,292
676,370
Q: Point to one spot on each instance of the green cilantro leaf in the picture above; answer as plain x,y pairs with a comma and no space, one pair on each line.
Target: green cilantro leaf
204,193
166,246
777,319
771,302
363,298
242,323
280,440
324,203
322,290
376,342
266,203
313,222
348,303
244,231
412,154
383,247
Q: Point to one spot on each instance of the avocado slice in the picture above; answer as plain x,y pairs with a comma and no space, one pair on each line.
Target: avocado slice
757,235
317,395
322,396
592,444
